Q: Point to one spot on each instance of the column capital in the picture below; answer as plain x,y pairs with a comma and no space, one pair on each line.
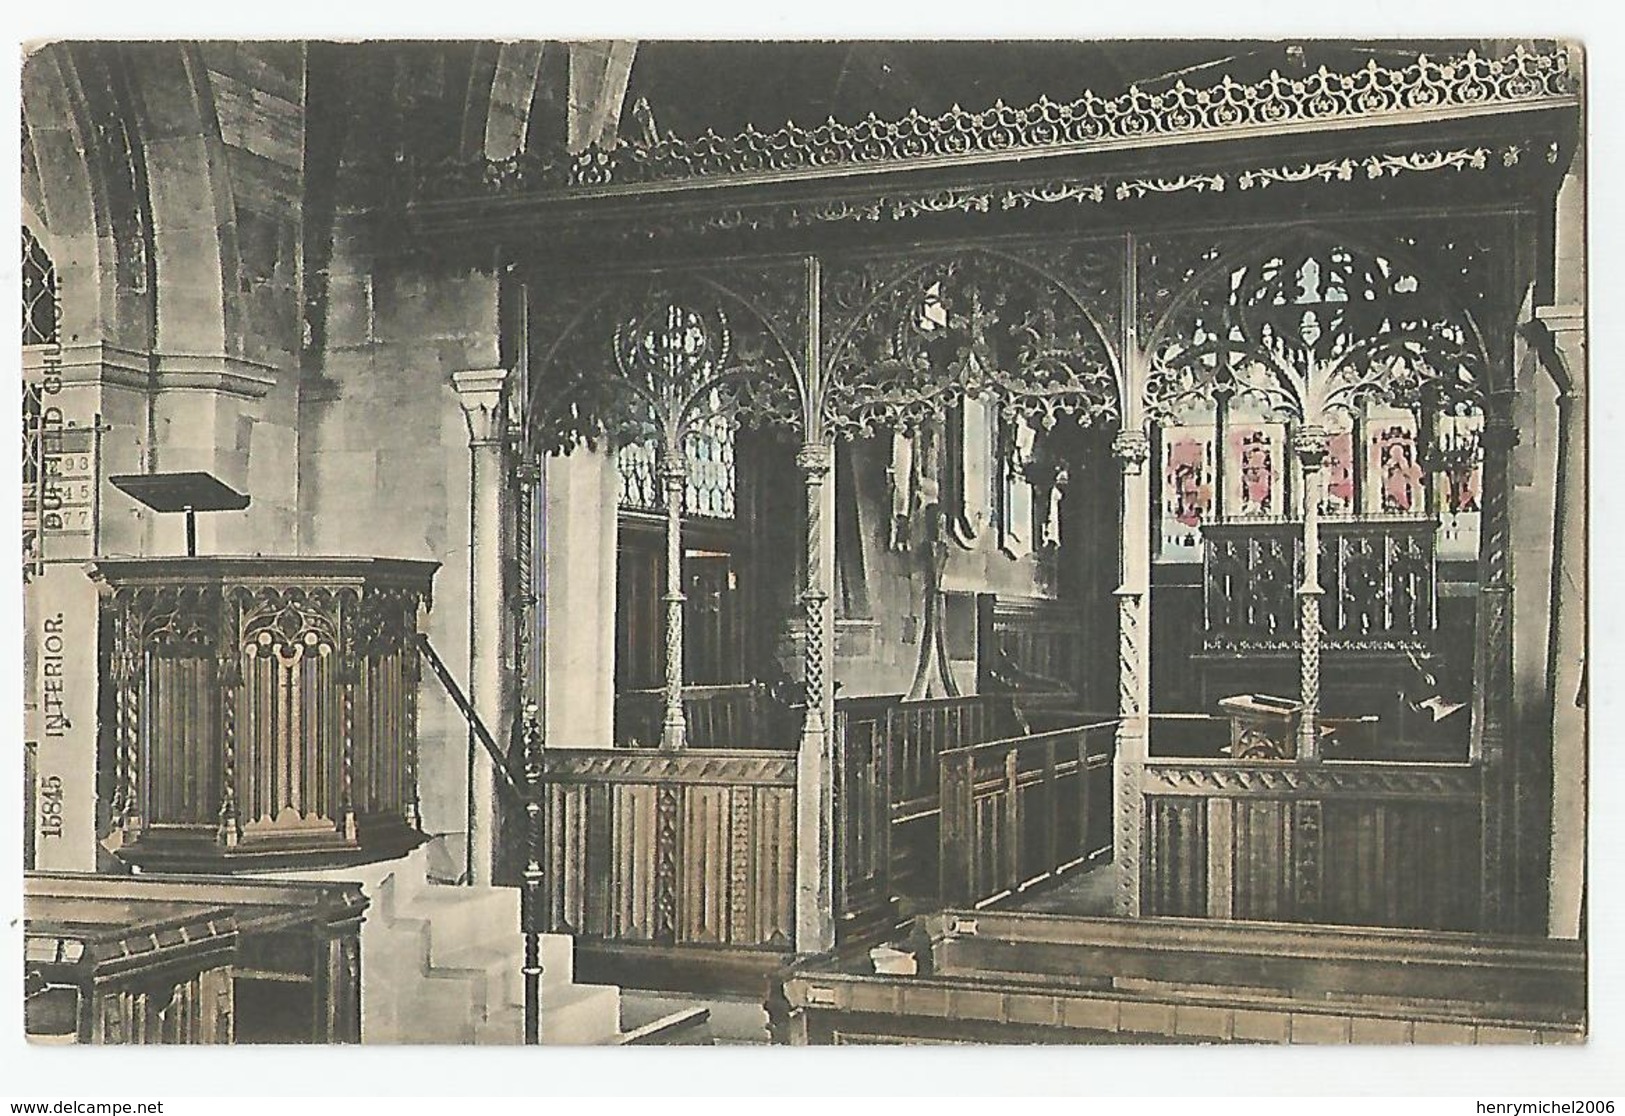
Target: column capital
480,393
1562,318
1132,449
816,458
1309,443
1561,332
672,469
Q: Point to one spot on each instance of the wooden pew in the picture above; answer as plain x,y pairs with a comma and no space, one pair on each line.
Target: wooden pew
1021,811
1009,978
888,806
290,953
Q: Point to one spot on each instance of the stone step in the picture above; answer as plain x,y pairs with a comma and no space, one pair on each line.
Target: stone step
462,914
504,964
688,1027
572,1015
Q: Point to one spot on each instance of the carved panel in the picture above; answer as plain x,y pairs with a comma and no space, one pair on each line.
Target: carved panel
706,862
1377,576
737,767
1376,780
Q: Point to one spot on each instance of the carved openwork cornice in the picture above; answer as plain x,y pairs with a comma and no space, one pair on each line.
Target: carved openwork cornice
905,340
1003,195
1310,325
1343,780
621,359
1425,90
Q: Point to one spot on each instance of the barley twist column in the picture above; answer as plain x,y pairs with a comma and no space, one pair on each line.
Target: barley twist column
228,678
674,476
815,929
1492,674
1132,449
124,683
1310,445
130,656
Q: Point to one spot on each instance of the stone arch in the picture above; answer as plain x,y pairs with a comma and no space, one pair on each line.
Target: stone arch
67,205
509,96
194,226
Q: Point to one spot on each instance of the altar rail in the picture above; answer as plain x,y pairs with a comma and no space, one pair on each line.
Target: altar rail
666,863
264,710
1351,843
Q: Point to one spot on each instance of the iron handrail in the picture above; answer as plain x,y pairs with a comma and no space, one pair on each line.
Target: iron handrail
529,746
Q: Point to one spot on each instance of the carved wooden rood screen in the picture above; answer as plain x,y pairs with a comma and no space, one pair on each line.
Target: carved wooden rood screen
1316,356
820,349
1312,412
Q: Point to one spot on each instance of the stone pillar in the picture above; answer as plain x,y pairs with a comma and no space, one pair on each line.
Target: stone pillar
815,849
1564,327
1492,676
575,652
1310,444
1132,449
480,393
674,477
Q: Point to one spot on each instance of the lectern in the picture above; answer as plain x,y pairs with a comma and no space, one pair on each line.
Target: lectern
182,492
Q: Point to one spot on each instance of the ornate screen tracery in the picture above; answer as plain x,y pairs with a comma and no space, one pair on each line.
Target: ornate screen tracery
1315,334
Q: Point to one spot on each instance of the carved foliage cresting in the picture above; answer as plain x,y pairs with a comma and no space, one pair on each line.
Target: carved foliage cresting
1137,116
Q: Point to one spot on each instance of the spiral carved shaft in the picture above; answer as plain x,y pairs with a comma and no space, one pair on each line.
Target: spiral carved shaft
816,461
674,473
1132,449
228,739
1311,448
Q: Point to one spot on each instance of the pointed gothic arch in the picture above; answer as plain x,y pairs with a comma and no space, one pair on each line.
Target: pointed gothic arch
907,341
1387,318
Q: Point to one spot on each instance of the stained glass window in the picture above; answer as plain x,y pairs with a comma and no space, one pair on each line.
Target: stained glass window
709,454
40,307
1323,335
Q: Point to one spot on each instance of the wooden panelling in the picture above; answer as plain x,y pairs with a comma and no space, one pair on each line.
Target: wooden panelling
887,801
1364,844
734,716
1175,857
1016,811
1402,864
686,848
262,711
